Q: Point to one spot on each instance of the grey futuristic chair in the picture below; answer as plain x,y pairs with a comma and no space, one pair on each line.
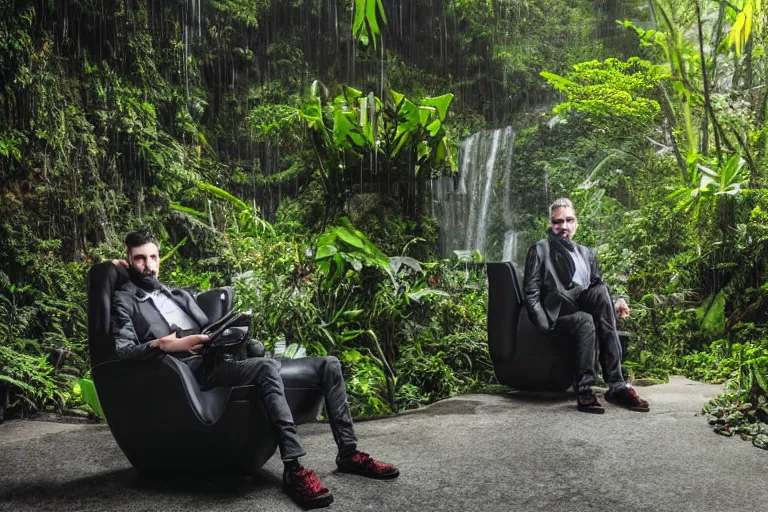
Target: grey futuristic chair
161,420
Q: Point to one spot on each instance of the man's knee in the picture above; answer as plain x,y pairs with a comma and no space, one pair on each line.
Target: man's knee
583,320
270,364
261,367
333,364
600,292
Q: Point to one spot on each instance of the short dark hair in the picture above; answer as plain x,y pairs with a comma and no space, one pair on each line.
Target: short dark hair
138,238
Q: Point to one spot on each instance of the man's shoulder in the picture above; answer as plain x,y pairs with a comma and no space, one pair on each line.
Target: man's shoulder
539,246
126,292
584,248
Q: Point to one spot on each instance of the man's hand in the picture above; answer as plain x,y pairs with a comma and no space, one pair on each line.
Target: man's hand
622,308
120,263
191,343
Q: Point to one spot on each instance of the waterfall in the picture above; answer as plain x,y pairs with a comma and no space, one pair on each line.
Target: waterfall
510,246
467,204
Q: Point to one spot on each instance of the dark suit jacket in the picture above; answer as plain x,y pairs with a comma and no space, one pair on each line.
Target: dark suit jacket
136,321
543,288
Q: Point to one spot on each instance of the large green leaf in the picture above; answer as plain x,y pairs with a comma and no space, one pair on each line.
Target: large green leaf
325,251
365,25
351,94
90,397
425,292
423,150
434,127
382,13
425,114
222,194
349,238
442,103
357,24
397,98
409,115
344,129
403,140
370,17
190,211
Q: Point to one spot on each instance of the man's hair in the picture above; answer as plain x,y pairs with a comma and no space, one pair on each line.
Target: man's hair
562,202
138,238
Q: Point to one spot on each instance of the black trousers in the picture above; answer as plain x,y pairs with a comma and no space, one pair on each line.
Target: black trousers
594,320
273,376
581,327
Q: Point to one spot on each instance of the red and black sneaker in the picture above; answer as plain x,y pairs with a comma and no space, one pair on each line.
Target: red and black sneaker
586,401
304,488
627,397
360,463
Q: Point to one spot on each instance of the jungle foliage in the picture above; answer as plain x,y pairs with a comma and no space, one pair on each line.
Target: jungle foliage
284,146
242,132
678,207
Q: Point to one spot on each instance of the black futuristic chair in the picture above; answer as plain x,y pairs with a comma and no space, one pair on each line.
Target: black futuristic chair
162,421
524,358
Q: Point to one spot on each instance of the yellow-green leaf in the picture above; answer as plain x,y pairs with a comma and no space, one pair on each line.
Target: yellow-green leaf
442,103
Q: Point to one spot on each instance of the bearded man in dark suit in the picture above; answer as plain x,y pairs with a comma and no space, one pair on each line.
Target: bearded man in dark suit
149,317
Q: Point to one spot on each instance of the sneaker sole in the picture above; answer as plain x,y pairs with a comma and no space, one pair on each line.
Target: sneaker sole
635,408
376,476
321,501
591,410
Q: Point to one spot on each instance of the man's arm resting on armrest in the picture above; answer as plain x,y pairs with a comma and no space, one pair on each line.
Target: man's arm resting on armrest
532,290
190,343
127,345
619,305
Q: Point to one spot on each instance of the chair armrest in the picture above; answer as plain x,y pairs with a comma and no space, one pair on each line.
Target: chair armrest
163,389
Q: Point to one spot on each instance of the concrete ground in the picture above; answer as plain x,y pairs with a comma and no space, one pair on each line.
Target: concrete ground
509,452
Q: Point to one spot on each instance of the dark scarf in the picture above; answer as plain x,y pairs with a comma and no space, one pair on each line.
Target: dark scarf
559,248
146,282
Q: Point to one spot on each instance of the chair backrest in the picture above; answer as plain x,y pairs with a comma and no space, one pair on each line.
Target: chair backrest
217,302
505,301
103,278
523,357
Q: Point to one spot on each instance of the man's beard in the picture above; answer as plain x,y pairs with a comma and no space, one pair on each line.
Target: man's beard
144,280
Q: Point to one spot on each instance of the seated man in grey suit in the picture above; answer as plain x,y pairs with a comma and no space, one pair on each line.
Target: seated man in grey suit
145,317
565,292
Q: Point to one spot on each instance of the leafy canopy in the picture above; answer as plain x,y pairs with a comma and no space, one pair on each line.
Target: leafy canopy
611,94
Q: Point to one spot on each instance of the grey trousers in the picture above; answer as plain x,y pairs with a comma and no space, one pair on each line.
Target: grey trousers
314,372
